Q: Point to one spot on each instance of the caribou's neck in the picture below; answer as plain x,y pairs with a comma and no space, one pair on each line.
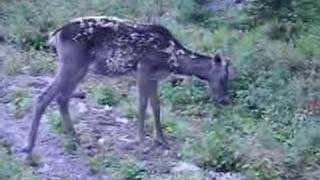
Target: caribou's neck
194,64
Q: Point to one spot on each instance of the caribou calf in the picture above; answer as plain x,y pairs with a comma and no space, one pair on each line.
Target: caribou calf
117,47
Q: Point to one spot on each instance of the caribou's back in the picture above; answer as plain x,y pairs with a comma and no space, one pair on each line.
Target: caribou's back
116,46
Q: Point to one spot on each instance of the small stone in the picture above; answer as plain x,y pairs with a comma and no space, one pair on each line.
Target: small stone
122,120
126,139
107,108
225,176
184,167
11,107
82,108
101,141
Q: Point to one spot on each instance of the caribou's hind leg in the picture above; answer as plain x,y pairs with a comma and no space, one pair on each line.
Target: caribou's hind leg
41,103
70,71
64,95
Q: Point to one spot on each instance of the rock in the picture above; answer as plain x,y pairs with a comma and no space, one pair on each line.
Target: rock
11,107
82,107
122,120
225,176
185,170
107,108
101,141
184,167
126,139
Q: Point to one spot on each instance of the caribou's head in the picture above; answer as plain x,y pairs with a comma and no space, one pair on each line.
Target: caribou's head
218,78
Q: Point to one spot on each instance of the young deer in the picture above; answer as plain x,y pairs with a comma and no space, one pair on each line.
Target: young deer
116,47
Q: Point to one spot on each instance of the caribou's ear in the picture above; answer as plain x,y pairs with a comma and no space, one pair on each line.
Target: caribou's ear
227,60
217,59
232,71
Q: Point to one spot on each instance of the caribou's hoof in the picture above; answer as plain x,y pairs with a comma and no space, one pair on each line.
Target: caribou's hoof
26,149
161,142
30,160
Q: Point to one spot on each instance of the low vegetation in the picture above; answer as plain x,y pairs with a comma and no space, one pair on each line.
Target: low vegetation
55,122
270,129
11,169
116,167
31,62
106,95
21,101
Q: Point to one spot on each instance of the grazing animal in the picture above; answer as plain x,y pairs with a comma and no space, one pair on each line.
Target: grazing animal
117,47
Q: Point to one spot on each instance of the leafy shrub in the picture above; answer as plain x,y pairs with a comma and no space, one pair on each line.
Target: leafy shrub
192,11
282,9
290,15
106,95
214,149
183,95
308,45
265,74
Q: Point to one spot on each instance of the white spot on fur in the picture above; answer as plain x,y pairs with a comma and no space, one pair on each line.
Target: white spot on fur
99,18
180,52
170,48
105,25
90,30
102,21
79,19
82,24
90,24
75,38
193,56
134,35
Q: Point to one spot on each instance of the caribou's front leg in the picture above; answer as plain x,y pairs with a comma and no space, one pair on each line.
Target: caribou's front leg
155,104
143,101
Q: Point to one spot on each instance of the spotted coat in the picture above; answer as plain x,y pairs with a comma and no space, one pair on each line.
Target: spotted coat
116,45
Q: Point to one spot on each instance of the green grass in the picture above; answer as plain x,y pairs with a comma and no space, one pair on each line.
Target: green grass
106,95
118,168
55,122
31,62
10,169
56,125
40,62
21,101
